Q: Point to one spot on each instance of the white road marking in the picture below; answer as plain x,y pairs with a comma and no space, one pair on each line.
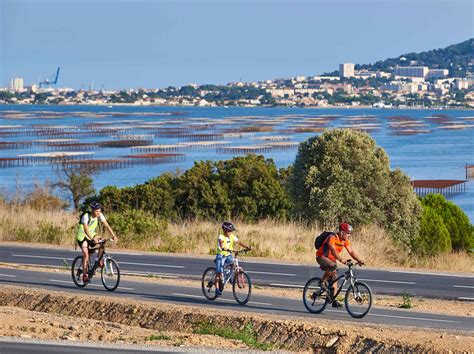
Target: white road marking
226,300
466,298
120,253
43,257
255,272
287,285
8,275
389,281
463,286
153,265
100,286
415,318
429,273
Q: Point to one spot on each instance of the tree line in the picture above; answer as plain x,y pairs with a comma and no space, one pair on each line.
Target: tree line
339,176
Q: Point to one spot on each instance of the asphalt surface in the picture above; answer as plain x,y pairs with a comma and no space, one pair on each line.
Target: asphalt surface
20,346
430,285
154,291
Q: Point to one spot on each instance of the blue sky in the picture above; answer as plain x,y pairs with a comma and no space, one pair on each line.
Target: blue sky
145,43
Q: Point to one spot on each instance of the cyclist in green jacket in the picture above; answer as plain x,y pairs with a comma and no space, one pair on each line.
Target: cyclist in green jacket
86,234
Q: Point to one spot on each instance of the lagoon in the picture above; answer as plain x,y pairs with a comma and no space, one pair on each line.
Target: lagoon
425,144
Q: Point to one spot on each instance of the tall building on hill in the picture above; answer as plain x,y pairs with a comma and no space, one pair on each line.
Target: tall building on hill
437,73
411,71
346,70
16,84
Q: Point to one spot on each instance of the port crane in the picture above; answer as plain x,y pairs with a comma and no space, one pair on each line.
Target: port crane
50,81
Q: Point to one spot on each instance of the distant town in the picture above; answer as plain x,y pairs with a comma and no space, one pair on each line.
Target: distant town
403,82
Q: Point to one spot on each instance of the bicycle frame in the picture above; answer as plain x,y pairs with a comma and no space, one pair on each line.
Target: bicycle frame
234,268
348,275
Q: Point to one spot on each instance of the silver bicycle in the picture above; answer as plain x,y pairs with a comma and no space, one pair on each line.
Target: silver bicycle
234,274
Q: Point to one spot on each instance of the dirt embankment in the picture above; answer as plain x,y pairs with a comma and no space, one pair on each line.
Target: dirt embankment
93,318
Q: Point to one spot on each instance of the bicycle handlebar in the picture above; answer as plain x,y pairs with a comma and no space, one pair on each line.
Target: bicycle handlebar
244,250
350,263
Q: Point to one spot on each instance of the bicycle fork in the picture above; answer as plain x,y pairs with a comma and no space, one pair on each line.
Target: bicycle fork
109,270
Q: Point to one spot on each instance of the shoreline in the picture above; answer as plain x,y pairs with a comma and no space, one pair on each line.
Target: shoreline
112,105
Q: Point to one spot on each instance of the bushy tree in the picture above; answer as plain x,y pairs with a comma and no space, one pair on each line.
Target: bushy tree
344,175
200,194
456,221
254,187
402,213
433,237
247,187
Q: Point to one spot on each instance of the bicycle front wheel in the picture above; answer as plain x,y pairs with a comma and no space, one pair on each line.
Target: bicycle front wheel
241,287
208,283
110,274
77,272
314,297
358,299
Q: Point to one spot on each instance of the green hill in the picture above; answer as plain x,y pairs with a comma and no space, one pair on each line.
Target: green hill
458,58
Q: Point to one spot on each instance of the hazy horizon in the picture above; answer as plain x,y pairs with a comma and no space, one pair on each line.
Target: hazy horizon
153,44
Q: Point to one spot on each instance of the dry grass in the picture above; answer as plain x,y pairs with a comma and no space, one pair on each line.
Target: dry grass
288,241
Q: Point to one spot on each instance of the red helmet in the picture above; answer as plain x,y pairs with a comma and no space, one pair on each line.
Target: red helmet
345,227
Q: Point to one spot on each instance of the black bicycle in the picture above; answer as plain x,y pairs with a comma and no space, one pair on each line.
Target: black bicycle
233,273
358,298
109,273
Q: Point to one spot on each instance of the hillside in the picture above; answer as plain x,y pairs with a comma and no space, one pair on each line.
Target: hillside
458,58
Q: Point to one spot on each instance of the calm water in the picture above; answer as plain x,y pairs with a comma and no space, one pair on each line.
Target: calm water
439,154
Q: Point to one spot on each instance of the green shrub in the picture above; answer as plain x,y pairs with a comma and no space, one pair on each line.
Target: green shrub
406,301
255,188
433,237
23,234
247,335
137,227
456,221
49,233
342,175
249,188
200,193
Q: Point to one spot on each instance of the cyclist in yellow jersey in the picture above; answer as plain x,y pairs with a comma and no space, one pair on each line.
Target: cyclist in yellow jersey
225,244
86,234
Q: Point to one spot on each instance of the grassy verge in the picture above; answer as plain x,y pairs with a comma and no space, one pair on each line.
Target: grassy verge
289,241
246,335
160,336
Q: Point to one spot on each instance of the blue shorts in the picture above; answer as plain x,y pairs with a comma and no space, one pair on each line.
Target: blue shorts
222,261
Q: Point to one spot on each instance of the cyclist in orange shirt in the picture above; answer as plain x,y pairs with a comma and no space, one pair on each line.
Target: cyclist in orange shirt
329,253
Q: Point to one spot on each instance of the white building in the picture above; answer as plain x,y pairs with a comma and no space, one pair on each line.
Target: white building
16,84
411,71
460,84
437,73
402,87
299,79
346,70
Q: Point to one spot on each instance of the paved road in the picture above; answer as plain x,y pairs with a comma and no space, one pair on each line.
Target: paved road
433,285
192,296
20,346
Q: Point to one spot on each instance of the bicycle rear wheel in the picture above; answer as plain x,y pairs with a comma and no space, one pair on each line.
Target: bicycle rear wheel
241,287
314,297
208,283
110,274
77,272
358,299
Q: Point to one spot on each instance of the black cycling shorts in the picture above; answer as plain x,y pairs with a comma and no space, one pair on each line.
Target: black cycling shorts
90,243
